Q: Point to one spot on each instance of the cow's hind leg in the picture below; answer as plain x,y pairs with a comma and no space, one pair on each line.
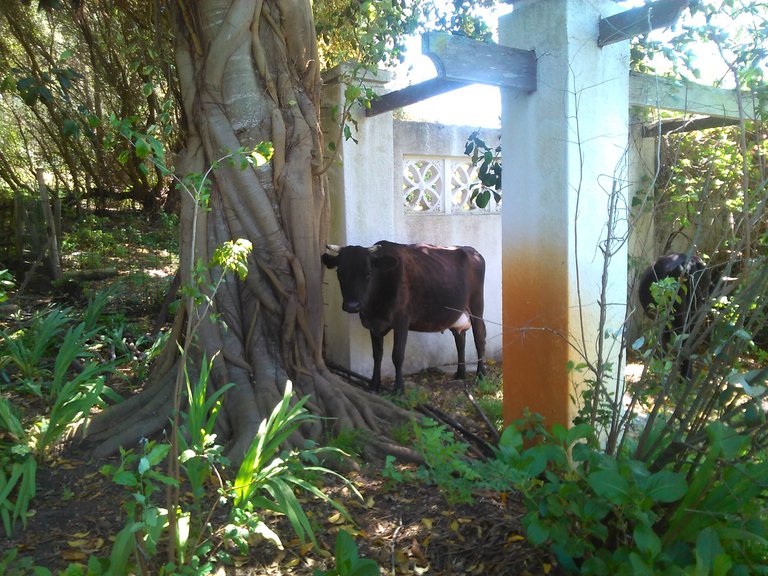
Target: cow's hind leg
460,337
377,344
478,333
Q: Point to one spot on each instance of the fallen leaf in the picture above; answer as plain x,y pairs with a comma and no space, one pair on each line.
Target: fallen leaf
417,551
336,518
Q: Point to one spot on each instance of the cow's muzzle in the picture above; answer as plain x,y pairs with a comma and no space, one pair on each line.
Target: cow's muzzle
351,307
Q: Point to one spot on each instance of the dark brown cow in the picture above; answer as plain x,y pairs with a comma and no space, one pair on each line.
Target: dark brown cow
690,272
416,287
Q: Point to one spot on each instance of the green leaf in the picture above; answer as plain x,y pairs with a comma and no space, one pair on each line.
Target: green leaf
352,92
346,552
665,486
123,549
579,432
646,540
752,382
366,567
483,198
158,453
537,532
70,128
708,548
142,148
610,484
639,566
511,441
125,478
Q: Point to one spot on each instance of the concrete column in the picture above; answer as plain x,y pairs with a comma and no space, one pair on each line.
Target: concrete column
564,156
642,244
362,206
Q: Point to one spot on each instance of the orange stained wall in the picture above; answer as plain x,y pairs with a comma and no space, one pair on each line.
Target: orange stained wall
535,312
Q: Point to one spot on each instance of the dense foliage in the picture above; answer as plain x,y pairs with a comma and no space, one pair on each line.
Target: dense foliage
72,75
65,73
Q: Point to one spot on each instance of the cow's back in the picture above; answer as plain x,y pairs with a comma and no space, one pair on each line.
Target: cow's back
436,285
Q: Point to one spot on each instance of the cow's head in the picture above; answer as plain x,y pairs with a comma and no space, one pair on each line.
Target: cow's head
358,268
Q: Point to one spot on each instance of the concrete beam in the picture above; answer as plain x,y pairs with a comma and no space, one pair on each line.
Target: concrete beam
465,60
459,62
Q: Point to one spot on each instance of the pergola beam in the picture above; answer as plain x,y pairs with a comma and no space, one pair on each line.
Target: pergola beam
412,94
641,20
460,62
667,94
662,127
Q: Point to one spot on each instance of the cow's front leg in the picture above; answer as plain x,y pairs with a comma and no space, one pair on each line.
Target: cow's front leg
377,343
460,337
398,355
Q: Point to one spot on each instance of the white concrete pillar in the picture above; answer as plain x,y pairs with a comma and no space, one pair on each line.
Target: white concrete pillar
564,155
362,207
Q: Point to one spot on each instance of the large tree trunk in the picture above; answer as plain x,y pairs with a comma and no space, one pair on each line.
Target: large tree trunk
249,73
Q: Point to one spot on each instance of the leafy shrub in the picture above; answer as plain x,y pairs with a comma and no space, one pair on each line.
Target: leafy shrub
146,520
267,478
6,285
25,348
446,461
18,469
601,514
69,396
348,561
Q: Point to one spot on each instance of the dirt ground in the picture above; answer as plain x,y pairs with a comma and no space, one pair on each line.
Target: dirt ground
406,528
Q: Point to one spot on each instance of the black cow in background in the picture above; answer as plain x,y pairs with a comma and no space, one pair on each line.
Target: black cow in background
418,287
691,273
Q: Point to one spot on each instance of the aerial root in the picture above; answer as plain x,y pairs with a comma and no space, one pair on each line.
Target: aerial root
142,407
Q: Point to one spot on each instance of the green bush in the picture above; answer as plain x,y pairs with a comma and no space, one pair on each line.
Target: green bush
39,355
348,561
601,514
268,477
6,285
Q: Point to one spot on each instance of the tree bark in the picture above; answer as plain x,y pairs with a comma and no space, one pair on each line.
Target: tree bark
249,73
50,227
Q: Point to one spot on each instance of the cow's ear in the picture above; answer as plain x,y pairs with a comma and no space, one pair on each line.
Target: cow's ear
330,261
384,263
